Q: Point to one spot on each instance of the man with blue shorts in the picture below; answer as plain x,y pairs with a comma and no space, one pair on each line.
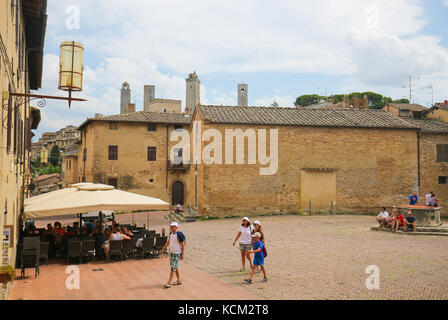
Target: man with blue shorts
258,257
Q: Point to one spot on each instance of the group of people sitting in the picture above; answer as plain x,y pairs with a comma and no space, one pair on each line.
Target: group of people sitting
91,230
396,220
430,200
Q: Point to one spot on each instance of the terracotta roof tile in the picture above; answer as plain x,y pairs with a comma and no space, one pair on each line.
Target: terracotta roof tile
357,118
143,116
430,125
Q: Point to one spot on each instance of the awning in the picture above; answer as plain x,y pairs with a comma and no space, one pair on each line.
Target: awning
88,197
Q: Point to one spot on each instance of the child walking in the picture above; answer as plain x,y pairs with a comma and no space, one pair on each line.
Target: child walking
258,257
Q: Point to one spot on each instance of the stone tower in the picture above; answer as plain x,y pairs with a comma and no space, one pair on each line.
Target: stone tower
125,97
149,95
193,92
243,95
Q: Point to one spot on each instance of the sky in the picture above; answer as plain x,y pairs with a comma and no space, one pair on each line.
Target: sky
281,49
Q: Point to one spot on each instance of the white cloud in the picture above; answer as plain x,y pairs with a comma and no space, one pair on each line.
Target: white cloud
282,101
373,43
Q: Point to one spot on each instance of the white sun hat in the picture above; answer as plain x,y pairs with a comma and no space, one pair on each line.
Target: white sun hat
257,223
245,218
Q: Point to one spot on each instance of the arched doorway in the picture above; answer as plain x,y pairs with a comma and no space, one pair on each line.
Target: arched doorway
177,193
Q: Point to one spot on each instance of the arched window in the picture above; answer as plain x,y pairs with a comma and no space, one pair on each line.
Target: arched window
243,92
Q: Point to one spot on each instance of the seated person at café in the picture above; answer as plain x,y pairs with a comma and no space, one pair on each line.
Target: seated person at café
383,217
118,235
48,234
31,231
127,232
398,222
413,199
58,229
76,229
410,222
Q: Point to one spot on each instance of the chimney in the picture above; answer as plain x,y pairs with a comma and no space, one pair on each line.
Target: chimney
98,115
130,108
187,111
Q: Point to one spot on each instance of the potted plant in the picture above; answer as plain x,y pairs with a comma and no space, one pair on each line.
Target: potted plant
7,273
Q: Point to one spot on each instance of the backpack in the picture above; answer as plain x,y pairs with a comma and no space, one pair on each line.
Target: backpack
265,253
180,237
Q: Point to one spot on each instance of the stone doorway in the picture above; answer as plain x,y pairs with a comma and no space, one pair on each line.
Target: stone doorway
177,193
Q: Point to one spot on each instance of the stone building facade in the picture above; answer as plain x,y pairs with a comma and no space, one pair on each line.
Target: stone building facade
64,138
358,159
131,152
22,27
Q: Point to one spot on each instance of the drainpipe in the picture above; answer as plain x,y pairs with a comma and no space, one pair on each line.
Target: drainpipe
418,158
167,157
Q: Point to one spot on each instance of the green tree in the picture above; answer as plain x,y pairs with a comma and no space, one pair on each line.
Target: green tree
55,156
274,104
402,101
308,99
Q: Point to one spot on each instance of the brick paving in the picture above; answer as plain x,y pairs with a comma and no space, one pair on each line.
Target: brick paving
127,280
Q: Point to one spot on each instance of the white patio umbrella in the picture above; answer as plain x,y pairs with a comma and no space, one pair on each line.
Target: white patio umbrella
88,197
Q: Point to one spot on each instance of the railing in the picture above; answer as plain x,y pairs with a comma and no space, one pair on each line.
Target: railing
180,166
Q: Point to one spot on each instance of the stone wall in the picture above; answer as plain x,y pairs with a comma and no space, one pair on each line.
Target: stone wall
373,168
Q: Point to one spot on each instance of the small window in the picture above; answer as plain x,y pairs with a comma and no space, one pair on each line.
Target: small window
113,126
243,93
113,152
442,180
152,153
442,153
164,110
113,182
152,127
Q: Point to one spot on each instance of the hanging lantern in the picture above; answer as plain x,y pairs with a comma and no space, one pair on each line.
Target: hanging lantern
71,67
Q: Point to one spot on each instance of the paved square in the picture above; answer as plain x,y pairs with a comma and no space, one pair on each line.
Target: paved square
323,257
318,257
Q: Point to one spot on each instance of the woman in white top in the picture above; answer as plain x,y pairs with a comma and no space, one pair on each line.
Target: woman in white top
245,236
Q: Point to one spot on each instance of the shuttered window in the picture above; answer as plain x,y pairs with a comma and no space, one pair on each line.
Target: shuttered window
113,152
442,153
152,153
9,123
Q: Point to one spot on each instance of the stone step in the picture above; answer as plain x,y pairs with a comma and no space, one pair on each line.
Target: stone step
438,232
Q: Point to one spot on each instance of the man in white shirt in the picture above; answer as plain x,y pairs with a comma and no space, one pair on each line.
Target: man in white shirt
428,198
383,217
176,243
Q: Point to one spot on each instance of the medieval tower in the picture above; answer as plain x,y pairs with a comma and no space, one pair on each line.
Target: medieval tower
193,92
125,97
149,93
243,95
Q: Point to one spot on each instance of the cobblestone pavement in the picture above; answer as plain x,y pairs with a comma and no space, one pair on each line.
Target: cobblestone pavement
319,257
325,258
